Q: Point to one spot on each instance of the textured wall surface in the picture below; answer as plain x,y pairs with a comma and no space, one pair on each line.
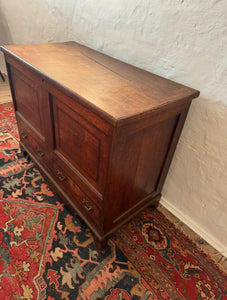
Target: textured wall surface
181,40
33,22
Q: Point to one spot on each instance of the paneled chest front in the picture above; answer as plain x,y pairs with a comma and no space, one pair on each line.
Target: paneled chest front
102,132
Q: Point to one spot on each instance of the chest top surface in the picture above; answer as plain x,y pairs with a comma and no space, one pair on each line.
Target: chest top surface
116,88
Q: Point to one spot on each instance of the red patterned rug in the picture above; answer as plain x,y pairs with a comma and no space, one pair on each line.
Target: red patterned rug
48,253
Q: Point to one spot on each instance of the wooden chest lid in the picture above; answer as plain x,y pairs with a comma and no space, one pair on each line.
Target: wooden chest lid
118,89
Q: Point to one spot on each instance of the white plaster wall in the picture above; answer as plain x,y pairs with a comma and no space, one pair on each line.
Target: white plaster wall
33,22
178,39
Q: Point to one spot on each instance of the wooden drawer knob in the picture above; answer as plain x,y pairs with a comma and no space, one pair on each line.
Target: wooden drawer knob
61,177
40,152
24,135
87,204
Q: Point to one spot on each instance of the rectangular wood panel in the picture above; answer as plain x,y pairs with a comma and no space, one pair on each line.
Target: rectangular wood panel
27,99
152,155
79,143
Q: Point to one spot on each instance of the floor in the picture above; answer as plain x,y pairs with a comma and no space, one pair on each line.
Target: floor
220,260
217,257
5,95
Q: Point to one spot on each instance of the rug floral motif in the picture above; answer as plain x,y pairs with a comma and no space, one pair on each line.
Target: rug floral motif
46,252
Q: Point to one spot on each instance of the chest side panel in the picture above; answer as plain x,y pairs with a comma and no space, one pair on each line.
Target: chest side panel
140,161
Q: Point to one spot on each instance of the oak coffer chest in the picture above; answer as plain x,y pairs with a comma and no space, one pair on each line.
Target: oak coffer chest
102,132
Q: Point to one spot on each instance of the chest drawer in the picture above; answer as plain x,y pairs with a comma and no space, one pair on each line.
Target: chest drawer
89,206
32,141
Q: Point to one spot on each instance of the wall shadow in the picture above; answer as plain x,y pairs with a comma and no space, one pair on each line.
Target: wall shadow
5,37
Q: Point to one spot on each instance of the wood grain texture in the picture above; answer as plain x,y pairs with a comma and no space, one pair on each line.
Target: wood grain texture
114,87
102,132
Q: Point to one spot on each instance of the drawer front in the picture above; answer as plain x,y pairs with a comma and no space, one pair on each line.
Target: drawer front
89,207
33,142
80,144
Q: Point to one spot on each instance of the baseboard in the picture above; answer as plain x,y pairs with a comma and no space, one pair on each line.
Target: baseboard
195,227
